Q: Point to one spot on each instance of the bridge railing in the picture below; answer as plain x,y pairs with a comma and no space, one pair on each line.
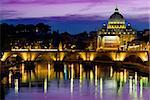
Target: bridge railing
77,50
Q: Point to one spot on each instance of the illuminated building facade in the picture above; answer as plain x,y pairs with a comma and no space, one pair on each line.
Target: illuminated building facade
116,34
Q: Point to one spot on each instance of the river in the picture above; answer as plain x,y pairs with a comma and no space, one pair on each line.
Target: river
74,81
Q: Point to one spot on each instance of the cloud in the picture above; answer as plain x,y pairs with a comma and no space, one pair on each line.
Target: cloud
50,1
8,14
78,18
61,8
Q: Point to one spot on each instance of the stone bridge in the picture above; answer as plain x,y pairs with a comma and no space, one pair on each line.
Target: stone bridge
74,55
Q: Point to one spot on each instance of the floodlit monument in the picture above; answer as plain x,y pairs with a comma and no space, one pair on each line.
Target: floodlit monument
116,34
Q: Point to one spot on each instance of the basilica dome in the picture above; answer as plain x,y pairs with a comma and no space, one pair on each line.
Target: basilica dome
116,20
116,16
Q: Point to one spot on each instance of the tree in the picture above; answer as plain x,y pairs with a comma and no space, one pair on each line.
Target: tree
82,40
55,37
5,31
66,38
42,28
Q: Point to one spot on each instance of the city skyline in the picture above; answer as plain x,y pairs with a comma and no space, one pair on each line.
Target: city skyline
74,16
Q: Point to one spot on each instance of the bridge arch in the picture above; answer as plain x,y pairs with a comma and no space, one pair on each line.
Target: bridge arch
134,59
14,56
72,56
103,57
43,57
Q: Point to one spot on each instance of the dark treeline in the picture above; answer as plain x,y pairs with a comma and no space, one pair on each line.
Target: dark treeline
144,35
44,33
29,34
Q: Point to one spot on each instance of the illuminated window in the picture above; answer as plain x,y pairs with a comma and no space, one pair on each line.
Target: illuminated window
133,32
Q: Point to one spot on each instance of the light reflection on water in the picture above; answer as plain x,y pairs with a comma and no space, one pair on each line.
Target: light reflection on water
74,82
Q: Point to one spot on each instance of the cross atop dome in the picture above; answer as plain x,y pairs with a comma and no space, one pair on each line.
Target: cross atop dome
116,9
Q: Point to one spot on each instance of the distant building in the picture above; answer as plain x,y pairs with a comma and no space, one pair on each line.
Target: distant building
116,34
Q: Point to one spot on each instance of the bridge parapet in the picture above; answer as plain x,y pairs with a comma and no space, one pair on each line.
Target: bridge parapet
85,55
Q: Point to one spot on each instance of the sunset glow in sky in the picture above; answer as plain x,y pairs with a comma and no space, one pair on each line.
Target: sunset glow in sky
74,9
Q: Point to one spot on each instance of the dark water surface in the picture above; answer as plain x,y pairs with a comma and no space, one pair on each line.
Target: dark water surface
75,81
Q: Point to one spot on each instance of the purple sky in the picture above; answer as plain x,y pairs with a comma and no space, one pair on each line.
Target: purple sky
12,9
138,10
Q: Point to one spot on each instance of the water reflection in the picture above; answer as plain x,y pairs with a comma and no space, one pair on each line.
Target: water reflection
45,85
81,78
16,86
130,85
75,80
101,88
141,87
111,71
72,75
10,79
49,70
